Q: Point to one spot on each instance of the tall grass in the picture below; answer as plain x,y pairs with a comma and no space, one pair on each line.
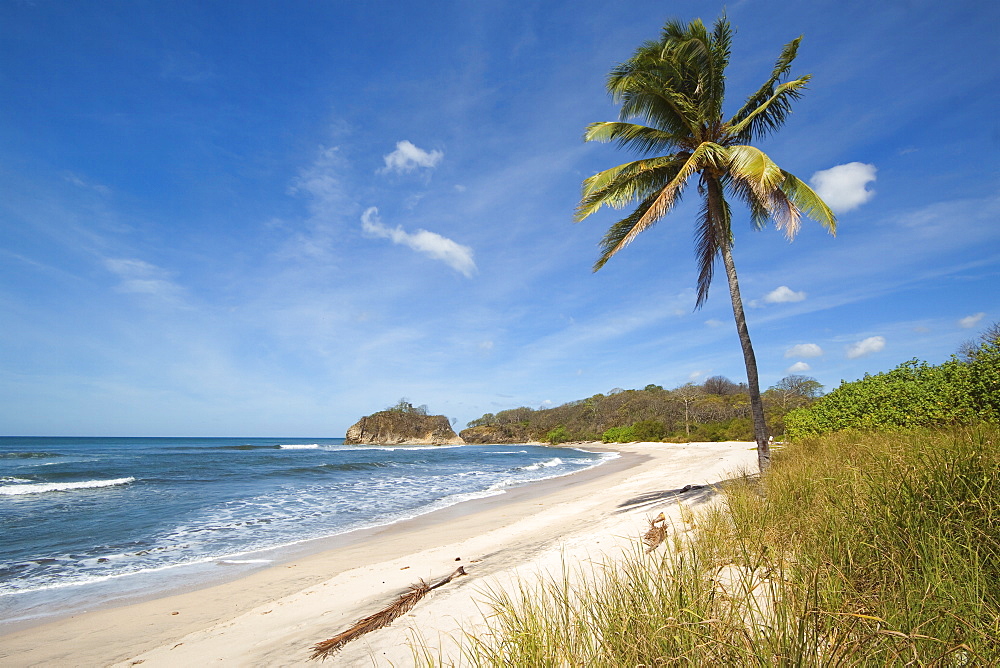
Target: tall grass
856,549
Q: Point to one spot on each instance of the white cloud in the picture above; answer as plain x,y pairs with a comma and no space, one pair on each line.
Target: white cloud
798,367
779,295
872,344
804,350
843,187
455,255
712,322
139,277
408,157
970,321
695,375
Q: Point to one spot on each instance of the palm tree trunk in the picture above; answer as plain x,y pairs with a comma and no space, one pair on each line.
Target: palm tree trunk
756,405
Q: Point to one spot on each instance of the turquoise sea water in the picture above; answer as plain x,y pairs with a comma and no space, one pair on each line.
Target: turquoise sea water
86,519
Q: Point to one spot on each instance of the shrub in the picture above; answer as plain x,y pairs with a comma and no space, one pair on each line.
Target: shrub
558,435
914,394
619,435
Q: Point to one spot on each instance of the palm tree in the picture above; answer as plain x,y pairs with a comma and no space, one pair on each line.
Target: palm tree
676,86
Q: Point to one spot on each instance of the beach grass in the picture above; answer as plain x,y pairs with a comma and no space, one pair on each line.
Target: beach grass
855,549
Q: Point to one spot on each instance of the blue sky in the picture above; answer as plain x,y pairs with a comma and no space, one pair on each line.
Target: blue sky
262,218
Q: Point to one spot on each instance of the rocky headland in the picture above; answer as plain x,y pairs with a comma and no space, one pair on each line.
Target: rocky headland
391,427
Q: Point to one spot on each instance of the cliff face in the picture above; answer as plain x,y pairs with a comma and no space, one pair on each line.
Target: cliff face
395,428
506,433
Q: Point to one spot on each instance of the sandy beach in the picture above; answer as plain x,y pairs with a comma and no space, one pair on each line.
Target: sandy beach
273,617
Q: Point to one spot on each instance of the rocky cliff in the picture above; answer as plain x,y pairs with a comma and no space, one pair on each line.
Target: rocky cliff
505,433
395,428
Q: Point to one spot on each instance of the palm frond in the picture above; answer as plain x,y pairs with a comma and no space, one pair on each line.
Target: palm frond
770,114
703,58
751,164
622,185
759,212
647,87
808,202
656,534
613,240
781,68
722,40
712,232
631,135
787,216
705,155
403,604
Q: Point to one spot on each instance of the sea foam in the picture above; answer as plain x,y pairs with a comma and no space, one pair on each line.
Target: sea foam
17,490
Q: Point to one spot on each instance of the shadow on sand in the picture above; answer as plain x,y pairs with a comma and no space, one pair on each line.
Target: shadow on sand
693,494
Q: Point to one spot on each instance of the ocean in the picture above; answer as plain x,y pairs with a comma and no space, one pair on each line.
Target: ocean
86,521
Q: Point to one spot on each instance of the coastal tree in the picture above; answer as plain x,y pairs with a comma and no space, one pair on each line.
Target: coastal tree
676,87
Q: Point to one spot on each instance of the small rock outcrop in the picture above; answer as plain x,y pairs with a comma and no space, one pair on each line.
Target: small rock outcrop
503,433
396,428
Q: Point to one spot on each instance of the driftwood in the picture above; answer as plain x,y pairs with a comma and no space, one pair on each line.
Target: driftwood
657,533
382,618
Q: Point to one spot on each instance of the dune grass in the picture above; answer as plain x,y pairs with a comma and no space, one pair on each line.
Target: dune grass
856,549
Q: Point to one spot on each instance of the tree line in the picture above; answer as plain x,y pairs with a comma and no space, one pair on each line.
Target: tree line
716,410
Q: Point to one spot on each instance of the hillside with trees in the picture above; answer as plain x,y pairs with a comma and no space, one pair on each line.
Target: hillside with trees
716,410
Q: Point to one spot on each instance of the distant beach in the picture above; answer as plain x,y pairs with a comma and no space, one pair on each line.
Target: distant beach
272,613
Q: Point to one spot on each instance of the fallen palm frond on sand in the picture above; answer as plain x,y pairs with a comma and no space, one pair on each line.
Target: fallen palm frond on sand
657,533
382,618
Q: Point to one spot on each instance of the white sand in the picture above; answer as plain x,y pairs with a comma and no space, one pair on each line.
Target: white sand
273,617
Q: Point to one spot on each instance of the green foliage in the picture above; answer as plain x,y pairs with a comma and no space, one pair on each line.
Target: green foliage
959,391
657,413
558,435
404,406
619,435
854,550
649,430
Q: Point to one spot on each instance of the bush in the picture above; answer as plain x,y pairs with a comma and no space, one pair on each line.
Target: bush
558,435
619,435
914,394
648,430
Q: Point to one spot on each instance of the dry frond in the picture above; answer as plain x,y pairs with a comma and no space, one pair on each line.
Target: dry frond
657,533
382,618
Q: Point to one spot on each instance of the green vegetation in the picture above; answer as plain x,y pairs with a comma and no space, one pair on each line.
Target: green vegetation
855,549
677,86
717,410
963,390
404,406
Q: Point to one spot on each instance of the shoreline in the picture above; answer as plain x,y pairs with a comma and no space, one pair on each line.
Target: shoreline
273,615
134,588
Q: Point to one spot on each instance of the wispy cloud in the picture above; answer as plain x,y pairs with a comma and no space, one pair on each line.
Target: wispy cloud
872,344
970,321
139,277
323,182
844,187
408,157
433,245
798,367
804,350
80,182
